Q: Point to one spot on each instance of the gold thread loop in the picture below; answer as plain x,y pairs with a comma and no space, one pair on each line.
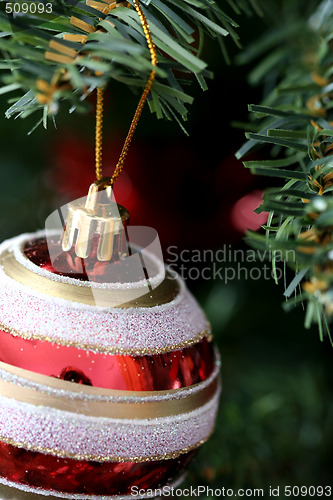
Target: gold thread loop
144,96
99,132
67,55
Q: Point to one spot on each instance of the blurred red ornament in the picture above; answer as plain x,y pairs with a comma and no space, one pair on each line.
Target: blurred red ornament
243,216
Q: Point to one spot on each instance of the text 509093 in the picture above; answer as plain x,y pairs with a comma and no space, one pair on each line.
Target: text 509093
28,8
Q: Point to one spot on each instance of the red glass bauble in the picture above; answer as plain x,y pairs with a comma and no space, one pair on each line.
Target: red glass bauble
97,400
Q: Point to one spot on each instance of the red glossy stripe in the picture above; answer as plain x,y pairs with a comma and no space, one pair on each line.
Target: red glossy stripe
134,373
91,478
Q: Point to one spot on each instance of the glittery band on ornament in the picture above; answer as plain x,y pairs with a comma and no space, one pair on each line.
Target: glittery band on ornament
143,330
14,253
15,491
60,433
158,290
136,351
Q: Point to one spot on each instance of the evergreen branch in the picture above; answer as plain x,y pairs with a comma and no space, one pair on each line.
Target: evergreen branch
297,115
64,55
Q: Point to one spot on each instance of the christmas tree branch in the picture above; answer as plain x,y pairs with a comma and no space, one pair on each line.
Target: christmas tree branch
296,121
67,48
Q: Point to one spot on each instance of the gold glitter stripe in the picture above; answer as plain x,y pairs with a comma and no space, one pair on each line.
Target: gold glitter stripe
101,7
76,38
162,294
63,49
91,391
75,21
110,349
53,56
109,409
102,459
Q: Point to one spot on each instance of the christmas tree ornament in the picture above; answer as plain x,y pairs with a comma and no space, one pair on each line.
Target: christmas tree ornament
108,374
96,400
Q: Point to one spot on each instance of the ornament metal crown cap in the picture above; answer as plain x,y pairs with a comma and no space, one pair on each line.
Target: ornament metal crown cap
94,232
100,215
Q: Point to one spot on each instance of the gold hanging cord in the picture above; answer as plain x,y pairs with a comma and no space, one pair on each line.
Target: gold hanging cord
139,109
99,132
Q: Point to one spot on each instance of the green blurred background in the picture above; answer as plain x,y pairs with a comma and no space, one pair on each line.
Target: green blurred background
275,425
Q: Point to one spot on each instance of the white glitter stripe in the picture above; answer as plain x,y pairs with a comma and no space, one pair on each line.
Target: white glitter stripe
165,396
103,439
73,496
41,316
15,246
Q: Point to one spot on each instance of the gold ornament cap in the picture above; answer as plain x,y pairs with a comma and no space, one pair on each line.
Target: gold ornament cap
96,214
